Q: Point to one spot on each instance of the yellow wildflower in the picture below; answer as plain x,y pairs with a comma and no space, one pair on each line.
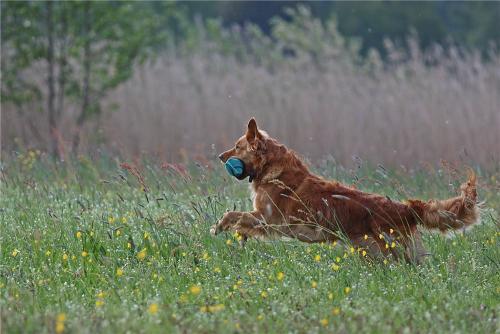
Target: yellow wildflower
314,284
78,235
124,220
324,322
119,272
335,267
338,259
365,237
217,269
229,242
212,308
15,252
129,245
336,311
99,303
347,290
317,258
330,296
153,308
205,256
260,317
101,294
363,253
65,257
146,235
111,220
118,232
393,244
61,317
84,253
47,253
280,276
263,294
352,249
142,254
195,290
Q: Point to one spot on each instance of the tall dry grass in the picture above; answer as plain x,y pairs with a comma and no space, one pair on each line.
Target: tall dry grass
402,115
415,108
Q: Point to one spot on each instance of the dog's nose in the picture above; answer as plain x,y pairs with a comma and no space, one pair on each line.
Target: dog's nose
221,157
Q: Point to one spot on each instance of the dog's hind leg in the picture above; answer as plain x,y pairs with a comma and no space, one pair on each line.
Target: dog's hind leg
414,248
373,246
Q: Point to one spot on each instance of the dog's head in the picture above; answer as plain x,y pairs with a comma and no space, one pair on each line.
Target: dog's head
255,148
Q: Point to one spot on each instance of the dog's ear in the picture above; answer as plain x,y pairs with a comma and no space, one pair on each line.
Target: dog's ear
252,130
254,137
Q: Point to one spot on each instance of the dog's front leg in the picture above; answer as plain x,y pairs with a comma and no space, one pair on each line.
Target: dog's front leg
228,220
248,224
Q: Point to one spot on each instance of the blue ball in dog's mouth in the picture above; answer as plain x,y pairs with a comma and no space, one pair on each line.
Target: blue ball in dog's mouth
235,167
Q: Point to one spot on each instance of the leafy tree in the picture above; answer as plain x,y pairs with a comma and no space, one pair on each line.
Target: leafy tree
87,48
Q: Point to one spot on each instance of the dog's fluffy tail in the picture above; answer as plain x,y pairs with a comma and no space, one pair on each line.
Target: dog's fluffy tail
450,214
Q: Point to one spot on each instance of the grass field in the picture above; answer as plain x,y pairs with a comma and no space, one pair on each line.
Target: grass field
86,248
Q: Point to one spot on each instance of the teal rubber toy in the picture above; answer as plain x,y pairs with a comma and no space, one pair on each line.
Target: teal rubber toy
235,167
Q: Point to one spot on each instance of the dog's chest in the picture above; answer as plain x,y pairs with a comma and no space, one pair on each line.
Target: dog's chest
263,202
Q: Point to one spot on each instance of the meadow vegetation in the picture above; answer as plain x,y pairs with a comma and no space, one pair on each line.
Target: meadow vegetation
97,245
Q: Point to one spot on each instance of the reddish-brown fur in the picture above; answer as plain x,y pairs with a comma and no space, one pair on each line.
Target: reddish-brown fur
290,201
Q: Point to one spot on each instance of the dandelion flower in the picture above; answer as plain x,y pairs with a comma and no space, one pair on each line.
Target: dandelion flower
153,308
280,276
330,296
317,258
363,253
78,235
336,311
118,232
61,317
205,256
124,220
99,303
352,249
229,242
142,254
347,290
47,253
111,220
260,317
393,244
15,252
338,259
335,267
386,246
195,290
314,284
263,294
101,294
84,254
129,245
119,272
65,257
324,322
217,269
146,235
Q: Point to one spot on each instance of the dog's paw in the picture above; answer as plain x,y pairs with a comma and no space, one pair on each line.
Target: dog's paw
228,221
213,229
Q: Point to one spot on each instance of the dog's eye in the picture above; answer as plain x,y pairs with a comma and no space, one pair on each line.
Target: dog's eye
238,147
